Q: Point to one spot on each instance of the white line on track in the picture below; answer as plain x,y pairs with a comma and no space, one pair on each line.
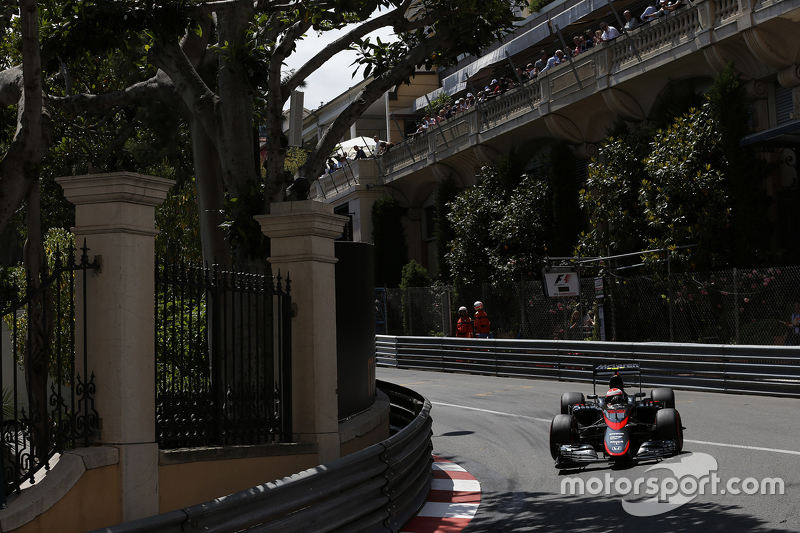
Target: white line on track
740,446
757,448
491,412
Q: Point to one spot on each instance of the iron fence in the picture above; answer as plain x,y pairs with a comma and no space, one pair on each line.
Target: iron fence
753,306
223,357
48,400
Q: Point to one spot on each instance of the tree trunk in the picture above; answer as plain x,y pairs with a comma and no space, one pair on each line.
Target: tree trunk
40,331
210,197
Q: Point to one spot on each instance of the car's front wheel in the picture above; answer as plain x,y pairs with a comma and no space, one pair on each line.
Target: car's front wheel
668,427
560,433
569,399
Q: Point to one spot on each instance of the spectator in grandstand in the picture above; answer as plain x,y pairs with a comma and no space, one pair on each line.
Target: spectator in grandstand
481,97
360,153
495,87
377,148
597,37
671,6
652,12
557,59
522,75
578,47
609,32
442,116
588,40
470,101
630,21
531,70
539,66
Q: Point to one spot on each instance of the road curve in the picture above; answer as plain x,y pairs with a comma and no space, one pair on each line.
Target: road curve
497,428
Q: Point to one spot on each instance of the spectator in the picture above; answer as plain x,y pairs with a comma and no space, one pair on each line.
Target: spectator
448,111
495,87
597,37
532,72
377,145
589,40
360,153
442,116
481,97
609,32
470,101
557,59
630,21
672,5
585,45
577,42
522,75
539,66
652,12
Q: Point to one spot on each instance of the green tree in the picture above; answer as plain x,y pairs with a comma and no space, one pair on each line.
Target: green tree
499,234
389,237
684,198
414,275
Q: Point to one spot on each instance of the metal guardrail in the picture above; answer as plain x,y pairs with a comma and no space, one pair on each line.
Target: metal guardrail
377,489
768,370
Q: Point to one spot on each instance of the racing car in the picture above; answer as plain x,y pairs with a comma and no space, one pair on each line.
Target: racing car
618,426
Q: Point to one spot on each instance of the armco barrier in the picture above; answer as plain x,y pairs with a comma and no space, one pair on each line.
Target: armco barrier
769,370
376,489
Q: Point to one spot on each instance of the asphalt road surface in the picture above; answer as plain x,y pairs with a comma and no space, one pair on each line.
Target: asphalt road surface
498,429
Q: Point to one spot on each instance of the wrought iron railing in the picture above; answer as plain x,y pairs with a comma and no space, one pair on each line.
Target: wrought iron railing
48,401
223,357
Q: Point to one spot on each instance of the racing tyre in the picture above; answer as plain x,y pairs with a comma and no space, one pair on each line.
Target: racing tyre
668,427
664,394
560,433
570,398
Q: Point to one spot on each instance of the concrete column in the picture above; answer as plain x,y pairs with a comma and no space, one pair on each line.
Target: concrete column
115,213
301,242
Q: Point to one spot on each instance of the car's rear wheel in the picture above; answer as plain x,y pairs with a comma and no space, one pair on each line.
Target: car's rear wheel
668,427
665,395
571,398
560,433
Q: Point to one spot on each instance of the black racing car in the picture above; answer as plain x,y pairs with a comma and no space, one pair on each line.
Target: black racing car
615,427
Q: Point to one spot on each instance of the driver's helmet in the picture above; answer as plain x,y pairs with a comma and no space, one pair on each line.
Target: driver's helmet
615,397
462,311
478,305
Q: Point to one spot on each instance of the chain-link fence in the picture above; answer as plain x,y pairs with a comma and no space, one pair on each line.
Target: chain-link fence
751,306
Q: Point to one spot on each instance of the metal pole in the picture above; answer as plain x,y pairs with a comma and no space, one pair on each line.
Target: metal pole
439,126
569,56
736,303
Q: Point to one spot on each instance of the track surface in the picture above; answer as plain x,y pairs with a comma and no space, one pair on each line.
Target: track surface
498,429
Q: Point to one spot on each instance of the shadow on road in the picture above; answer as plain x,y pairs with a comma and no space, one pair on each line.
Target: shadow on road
543,512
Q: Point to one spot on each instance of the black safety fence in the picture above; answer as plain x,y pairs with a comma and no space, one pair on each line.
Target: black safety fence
376,489
768,370
752,306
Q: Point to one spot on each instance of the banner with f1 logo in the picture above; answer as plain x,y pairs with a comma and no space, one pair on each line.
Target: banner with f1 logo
561,282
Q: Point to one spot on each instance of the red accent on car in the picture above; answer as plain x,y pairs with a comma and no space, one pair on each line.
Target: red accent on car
615,425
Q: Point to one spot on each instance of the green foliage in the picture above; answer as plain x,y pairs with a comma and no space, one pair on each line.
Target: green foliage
57,243
498,236
437,103
414,275
295,158
177,221
242,231
611,198
388,234
445,192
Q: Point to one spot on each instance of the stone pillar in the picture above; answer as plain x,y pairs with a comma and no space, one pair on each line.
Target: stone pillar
115,213
301,242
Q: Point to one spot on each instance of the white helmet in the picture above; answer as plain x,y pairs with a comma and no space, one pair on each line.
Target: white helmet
462,311
478,305
615,396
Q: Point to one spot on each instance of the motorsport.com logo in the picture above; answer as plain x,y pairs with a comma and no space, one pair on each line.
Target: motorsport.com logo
693,475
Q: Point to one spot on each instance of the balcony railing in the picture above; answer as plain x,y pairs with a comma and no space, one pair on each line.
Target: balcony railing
646,42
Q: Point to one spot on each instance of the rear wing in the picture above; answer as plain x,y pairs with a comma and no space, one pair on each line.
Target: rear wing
627,369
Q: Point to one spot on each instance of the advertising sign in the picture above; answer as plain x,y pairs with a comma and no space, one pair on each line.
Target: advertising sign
562,282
